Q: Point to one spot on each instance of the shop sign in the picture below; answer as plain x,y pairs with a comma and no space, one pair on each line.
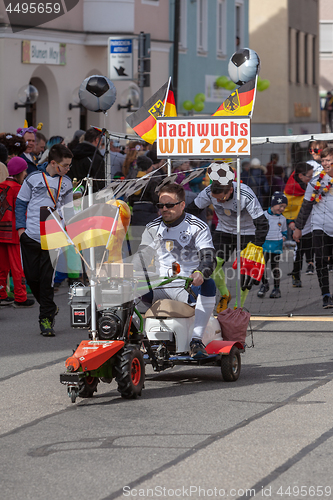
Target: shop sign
36,52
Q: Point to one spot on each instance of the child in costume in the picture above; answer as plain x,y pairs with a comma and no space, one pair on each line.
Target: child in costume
273,246
10,256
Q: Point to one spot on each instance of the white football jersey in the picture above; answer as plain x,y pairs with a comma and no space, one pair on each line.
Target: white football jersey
227,211
322,212
180,243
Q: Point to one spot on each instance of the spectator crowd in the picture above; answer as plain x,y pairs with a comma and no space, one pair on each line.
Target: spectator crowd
36,171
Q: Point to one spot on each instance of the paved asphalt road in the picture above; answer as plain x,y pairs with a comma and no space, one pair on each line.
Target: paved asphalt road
190,435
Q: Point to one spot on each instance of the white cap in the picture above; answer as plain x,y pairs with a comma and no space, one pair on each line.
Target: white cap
255,162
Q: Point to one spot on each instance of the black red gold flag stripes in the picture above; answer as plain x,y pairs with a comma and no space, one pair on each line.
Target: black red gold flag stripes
240,102
143,121
92,226
52,235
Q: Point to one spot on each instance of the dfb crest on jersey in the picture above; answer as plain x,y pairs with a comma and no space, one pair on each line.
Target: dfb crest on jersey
184,237
221,172
169,245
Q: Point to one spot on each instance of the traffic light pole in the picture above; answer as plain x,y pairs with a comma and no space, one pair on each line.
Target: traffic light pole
141,67
143,63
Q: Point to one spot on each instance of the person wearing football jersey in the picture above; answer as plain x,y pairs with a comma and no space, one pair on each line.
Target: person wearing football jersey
318,203
177,236
254,226
273,246
49,186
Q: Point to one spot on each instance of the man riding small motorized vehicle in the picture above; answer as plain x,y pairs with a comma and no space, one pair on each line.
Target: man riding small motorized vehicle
180,248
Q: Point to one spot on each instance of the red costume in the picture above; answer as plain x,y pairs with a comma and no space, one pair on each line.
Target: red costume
10,254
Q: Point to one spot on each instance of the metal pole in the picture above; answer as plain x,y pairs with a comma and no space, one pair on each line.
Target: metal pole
238,250
141,55
92,266
175,50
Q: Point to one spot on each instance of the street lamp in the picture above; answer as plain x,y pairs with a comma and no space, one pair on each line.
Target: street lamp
130,98
27,95
75,99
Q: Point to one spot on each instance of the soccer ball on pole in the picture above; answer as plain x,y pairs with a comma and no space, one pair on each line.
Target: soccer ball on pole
243,66
97,93
221,172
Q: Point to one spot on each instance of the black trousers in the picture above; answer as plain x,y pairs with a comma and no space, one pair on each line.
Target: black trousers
275,261
323,245
226,243
305,246
39,274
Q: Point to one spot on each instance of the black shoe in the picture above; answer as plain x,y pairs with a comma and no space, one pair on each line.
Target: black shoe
46,328
327,302
8,301
310,269
262,290
276,294
197,349
297,282
26,303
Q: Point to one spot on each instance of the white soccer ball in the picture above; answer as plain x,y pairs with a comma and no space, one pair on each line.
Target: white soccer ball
221,172
97,93
243,66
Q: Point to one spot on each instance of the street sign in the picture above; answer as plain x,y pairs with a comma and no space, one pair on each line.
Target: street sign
203,137
120,60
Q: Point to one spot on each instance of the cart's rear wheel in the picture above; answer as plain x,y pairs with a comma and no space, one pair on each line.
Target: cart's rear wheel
231,365
130,372
87,387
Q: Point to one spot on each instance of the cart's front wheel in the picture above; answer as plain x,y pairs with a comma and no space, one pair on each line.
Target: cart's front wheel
231,365
87,387
130,372
73,394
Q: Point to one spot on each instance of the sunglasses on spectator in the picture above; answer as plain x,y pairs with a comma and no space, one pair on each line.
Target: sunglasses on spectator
315,150
167,205
67,167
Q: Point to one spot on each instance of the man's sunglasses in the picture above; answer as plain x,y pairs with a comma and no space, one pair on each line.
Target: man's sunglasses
315,150
167,205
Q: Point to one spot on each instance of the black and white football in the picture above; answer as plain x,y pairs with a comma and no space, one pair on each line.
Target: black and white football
221,172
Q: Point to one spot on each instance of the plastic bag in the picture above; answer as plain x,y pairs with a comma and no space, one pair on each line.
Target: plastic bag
234,323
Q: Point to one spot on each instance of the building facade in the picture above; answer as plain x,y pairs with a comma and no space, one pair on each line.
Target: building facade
326,46
285,33
325,57
57,56
210,32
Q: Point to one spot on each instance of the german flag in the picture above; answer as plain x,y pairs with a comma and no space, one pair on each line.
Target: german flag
52,234
240,102
143,121
252,261
92,227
